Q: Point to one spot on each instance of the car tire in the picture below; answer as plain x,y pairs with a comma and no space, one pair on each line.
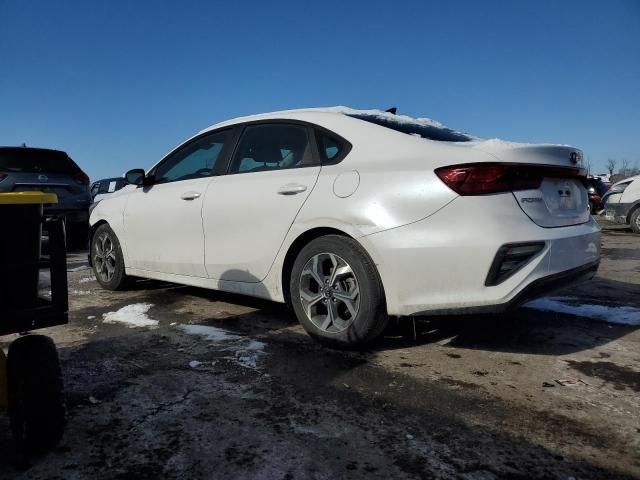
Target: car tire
336,292
635,220
107,260
35,393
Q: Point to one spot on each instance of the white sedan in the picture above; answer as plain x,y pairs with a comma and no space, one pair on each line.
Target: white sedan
351,216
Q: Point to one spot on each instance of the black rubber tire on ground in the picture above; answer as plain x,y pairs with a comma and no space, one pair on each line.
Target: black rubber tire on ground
119,280
371,319
36,394
635,220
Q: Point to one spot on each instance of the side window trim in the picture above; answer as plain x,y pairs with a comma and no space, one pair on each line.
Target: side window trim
221,161
241,128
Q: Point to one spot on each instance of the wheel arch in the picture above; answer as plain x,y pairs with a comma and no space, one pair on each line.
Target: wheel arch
92,231
294,249
635,206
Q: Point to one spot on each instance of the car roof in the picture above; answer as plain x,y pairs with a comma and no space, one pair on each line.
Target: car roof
7,148
317,114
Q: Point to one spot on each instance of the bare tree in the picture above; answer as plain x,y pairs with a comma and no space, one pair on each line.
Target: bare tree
588,166
611,166
624,168
636,168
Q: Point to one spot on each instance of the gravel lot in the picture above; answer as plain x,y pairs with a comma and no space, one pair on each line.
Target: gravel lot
474,398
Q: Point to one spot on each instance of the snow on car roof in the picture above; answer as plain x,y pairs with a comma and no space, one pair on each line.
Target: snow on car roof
404,123
387,116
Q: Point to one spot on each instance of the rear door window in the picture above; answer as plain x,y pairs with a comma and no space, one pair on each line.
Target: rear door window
271,147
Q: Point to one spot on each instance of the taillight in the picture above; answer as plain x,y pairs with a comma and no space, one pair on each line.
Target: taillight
487,178
82,178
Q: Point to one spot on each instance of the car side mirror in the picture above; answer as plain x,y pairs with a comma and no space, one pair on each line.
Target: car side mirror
135,176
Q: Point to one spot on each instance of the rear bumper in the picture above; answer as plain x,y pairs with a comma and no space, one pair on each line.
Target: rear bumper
72,216
439,265
536,289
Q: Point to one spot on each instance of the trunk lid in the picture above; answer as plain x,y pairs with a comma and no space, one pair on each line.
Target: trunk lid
561,199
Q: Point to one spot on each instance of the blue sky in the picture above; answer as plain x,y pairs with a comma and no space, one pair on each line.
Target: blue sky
117,84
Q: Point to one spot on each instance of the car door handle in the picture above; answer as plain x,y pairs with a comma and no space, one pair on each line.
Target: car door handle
189,195
291,189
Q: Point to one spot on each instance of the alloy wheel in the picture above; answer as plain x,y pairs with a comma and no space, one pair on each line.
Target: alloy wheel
104,257
329,292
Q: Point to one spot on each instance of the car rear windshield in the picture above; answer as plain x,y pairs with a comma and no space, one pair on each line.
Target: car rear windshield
430,132
36,160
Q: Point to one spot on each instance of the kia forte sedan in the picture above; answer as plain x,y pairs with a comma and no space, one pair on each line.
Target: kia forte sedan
352,216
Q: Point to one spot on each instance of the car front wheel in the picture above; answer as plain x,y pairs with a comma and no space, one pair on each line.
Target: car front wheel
107,259
336,292
635,220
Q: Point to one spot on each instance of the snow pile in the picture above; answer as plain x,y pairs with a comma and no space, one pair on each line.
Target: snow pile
134,315
87,280
620,315
373,112
210,333
246,351
79,268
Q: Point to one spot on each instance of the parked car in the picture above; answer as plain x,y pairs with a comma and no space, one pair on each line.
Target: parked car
596,189
622,203
40,169
351,216
102,188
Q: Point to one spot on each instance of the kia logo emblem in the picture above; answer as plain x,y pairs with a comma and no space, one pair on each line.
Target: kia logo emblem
43,178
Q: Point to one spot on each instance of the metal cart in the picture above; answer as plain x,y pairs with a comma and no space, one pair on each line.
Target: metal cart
31,385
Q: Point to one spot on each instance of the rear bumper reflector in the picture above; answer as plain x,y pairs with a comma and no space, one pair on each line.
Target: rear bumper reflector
510,258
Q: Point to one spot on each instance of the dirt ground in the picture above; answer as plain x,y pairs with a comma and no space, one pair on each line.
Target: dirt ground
469,398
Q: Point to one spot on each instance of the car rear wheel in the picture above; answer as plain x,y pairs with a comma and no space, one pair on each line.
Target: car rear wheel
107,259
635,220
336,292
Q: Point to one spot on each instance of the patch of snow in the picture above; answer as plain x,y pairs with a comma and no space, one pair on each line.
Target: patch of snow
210,333
340,109
91,317
246,351
80,292
194,363
87,280
620,315
134,315
78,269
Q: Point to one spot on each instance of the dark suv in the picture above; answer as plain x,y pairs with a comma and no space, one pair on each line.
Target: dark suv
39,169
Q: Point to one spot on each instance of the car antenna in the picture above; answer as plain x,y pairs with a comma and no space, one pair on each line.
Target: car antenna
392,110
